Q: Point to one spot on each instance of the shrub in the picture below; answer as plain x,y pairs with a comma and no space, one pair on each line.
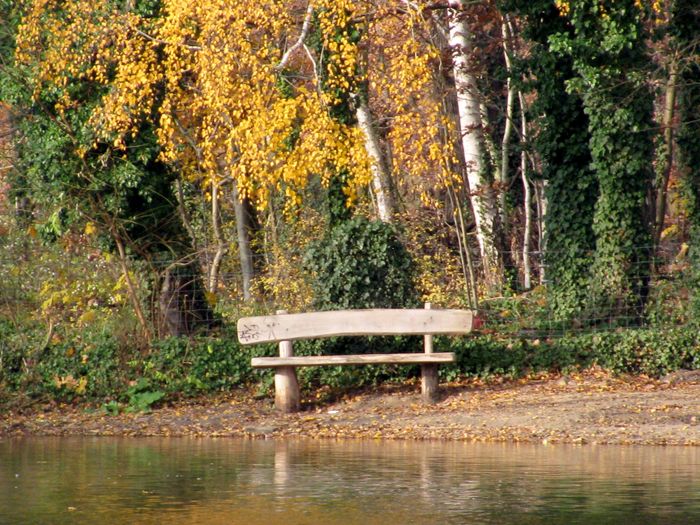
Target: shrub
87,366
199,365
358,264
653,352
361,264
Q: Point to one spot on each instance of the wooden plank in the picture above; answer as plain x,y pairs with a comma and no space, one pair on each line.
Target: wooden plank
429,382
356,359
287,394
289,327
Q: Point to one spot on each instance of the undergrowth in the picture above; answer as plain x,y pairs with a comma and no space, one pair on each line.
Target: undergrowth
94,366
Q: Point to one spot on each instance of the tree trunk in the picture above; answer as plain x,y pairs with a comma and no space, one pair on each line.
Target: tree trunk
181,301
381,175
468,107
130,287
221,248
508,130
541,202
245,224
527,197
494,155
667,156
184,215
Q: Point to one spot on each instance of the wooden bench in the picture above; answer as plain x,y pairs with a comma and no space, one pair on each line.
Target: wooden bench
284,328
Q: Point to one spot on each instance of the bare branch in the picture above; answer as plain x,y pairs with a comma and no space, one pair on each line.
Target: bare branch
164,42
306,26
315,67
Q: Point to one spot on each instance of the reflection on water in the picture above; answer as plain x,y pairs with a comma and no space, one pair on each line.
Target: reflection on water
225,481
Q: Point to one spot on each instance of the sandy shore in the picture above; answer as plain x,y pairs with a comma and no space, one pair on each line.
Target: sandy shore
591,407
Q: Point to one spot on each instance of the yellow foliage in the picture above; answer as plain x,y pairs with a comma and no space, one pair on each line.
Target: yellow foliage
70,383
404,79
563,6
211,298
87,317
284,279
222,112
206,76
90,228
670,231
439,277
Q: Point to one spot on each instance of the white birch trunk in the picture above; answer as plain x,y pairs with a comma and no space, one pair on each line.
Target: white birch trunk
527,197
541,199
508,131
381,177
468,107
221,248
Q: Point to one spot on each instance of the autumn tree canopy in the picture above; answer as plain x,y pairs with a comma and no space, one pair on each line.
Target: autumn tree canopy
512,144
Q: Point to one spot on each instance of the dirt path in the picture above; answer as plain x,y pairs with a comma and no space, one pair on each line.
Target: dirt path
592,407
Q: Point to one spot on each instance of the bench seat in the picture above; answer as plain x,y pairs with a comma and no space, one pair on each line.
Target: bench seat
284,328
353,359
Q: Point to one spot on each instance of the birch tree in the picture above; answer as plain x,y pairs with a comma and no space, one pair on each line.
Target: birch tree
471,133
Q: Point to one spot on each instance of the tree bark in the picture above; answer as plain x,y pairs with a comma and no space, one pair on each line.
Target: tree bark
468,107
244,226
494,154
527,197
184,215
381,175
130,287
181,302
221,249
508,130
541,202
662,190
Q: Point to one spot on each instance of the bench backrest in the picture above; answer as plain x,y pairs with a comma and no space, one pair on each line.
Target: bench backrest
289,327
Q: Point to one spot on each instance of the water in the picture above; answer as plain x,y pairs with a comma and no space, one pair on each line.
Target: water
226,481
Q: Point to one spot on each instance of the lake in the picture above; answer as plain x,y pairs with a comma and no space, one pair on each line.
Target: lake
230,481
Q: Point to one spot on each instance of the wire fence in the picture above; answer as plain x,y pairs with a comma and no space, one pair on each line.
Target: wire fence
71,287
656,292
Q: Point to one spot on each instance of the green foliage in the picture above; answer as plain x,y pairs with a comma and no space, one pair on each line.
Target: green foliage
596,147
96,368
606,46
361,264
684,29
111,408
487,355
342,377
337,202
14,341
668,303
10,11
199,365
93,365
87,367
358,264
140,396
562,143
653,352
66,168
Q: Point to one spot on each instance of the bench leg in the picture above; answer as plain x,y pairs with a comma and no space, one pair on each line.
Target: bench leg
286,389
286,384
429,382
